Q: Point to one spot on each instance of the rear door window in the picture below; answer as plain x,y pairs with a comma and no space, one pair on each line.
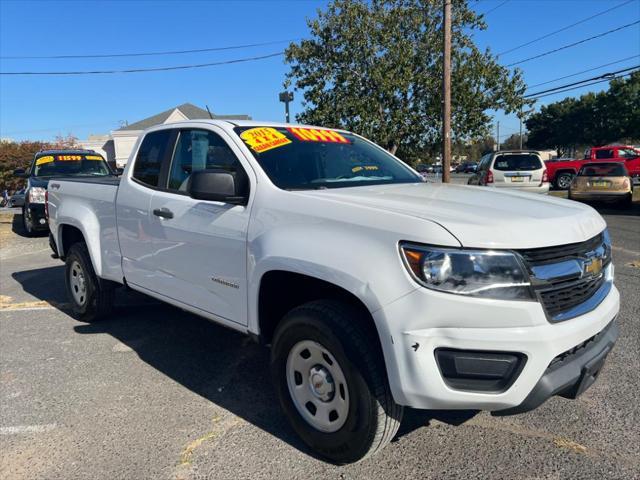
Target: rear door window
516,162
151,155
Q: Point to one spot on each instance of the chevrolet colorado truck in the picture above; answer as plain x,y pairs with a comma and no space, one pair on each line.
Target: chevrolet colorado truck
561,171
375,290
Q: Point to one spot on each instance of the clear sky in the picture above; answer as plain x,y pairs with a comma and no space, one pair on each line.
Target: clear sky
41,107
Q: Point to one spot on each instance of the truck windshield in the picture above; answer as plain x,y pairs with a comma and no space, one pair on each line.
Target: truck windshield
301,158
70,165
517,162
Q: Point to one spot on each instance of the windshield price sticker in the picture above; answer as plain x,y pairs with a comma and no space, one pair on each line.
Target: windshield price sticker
97,158
69,158
262,139
367,168
317,135
43,160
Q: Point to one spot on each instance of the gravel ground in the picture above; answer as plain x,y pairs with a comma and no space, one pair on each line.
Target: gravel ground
158,393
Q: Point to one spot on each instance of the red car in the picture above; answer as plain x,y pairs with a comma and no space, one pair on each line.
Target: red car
562,171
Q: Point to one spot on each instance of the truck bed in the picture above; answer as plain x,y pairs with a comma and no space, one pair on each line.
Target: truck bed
89,205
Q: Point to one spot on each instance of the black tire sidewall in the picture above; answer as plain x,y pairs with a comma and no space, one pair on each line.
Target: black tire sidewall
353,439
78,253
563,175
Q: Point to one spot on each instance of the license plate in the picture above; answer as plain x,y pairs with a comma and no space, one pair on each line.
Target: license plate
517,179
601,184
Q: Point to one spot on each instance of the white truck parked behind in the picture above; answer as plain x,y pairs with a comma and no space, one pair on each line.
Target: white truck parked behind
374,290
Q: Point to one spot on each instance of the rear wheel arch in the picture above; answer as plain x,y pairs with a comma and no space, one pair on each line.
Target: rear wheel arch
68,235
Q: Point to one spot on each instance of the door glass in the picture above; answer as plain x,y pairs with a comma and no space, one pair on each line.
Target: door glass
199,150
605,153
150,156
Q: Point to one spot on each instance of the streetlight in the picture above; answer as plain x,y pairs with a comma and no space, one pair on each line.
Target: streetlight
286,97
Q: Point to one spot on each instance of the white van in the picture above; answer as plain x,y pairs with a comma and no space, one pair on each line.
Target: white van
520,169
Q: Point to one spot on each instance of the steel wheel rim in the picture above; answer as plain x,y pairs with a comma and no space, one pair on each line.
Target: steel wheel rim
77,282
564,181
317,386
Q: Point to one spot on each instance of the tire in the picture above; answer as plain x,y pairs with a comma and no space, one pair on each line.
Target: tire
27,224
90,298
563,180
362,416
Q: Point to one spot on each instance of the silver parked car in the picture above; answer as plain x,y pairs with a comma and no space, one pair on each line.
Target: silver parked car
17,199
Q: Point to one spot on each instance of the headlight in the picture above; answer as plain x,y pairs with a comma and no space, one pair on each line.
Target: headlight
36,195
475,273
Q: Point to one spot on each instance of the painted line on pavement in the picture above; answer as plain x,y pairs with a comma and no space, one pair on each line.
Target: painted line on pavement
20,429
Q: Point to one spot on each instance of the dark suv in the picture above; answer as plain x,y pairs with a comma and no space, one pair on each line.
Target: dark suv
48,164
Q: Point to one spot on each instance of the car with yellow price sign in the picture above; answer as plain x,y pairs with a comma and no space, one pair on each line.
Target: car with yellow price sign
48,164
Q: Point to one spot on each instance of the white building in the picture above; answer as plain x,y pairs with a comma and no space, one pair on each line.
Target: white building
117,146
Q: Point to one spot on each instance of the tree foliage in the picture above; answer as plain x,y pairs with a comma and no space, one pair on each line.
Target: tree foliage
375,67
16,155
591,120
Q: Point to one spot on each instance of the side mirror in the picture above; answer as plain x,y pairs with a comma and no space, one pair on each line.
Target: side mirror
216,185
20,173
119,171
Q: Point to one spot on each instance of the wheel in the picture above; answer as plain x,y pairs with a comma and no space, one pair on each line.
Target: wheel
90,298
331,381
563,180
27,222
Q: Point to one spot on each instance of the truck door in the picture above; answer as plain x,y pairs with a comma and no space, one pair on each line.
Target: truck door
133,202
200,251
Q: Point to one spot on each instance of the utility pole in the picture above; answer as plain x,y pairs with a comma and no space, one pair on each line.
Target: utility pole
520,130
286,97
446,91
498,136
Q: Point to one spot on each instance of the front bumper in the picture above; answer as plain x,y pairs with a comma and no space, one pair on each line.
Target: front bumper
37,215
571,372
413,327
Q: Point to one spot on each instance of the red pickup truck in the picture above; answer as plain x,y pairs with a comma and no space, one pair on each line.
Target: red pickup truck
561,171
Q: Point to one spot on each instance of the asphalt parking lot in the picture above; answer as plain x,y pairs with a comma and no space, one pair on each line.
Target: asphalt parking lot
158,393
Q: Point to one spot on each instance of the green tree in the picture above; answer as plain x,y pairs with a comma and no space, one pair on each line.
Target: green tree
513,142
375,67
592,119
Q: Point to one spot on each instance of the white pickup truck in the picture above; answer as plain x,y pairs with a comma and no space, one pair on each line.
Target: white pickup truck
374,289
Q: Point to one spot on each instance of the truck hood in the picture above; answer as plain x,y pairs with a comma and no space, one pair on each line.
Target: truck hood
481,217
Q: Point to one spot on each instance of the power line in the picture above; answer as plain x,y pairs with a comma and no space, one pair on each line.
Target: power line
494,8
583,71
148,54
156,69
581,83
563,28
580,86
544,54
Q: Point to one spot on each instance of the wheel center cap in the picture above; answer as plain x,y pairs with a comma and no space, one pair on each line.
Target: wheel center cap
321,383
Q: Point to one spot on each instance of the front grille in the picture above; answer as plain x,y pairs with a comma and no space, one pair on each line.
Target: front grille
561,298
559,295
539,256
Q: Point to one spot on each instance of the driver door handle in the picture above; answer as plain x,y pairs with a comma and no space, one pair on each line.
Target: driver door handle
163,212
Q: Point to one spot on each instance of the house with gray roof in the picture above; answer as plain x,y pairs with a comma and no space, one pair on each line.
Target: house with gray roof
117,146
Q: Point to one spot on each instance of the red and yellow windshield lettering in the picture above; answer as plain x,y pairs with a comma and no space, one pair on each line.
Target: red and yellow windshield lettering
262,139
317,135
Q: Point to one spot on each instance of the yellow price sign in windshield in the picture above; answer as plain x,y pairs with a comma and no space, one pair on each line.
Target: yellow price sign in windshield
262,139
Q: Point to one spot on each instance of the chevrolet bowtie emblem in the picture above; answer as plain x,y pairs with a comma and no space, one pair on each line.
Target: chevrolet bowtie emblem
593,266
